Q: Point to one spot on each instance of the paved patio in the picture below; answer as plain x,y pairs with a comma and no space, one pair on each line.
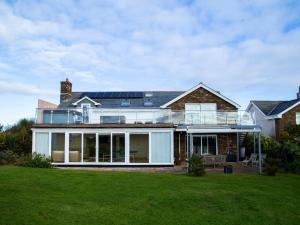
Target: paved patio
237,168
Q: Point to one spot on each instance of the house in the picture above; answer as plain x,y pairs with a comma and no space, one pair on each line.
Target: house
140,127
275,116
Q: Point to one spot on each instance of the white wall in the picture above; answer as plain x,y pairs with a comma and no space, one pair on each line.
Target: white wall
268,126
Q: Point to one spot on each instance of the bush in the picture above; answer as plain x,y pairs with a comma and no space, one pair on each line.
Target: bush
294,166
271,167
7,157
196,166
35,160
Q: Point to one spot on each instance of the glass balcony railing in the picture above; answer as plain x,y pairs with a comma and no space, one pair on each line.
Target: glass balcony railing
160,116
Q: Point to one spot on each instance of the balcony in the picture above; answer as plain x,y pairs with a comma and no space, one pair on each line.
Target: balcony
156,116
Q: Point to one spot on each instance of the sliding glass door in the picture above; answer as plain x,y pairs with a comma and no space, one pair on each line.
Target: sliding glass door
104,148
89,147
118,147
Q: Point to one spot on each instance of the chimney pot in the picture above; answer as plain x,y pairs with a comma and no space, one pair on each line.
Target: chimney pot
298,94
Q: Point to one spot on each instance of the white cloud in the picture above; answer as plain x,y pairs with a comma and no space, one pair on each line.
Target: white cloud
241,48
27,89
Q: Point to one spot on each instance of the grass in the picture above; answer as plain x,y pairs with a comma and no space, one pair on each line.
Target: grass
51,196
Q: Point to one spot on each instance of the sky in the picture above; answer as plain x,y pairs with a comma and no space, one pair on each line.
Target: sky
245,49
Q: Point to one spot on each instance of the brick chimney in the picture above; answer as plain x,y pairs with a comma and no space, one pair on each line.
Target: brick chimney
65,90
298,94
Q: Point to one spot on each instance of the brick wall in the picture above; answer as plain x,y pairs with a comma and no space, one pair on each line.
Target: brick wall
287,119
226,142
201,95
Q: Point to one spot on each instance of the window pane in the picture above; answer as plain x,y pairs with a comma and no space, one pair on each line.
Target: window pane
89,147
75,147
118,147
204,145
161,147
212,147
58,147
104,148
42,143
139,148
298,118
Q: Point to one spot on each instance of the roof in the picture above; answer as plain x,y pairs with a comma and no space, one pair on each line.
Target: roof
276,108
158,98
201,85
266,106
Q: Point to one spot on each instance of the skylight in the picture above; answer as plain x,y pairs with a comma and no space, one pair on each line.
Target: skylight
125,103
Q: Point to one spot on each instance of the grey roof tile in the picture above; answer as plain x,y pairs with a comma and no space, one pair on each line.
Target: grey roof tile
158,99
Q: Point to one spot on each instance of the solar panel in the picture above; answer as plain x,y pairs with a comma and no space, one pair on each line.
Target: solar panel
98,95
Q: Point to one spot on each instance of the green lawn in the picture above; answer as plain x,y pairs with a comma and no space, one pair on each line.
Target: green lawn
52,196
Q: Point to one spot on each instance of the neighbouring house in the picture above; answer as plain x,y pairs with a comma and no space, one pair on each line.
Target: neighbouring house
275,116
140,127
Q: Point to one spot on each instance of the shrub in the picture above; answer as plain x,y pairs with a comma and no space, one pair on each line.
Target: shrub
271,167
196,166
35,160
294,166
7,157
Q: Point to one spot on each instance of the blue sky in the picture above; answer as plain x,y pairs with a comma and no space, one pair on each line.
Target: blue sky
245,49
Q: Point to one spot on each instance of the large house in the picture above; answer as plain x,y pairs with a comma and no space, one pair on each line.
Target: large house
139,128
275,116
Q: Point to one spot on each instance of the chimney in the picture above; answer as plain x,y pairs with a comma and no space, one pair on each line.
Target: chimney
298,94
65,90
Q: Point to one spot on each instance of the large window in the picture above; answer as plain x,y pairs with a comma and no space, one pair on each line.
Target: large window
104,148
139,148
118,147
75,147
201,113
58,147
42,143
298,118
89,147
205,145
161,147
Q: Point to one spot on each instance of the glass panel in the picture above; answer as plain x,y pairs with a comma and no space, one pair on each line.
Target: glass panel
204,145
118,147
85,113
89,147
161,147
42,143
192,113
208,113
58,147
104,148
212,145
297,118
139,148
75,147
197,145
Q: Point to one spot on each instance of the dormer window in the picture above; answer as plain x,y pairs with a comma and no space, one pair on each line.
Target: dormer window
148,102
125,103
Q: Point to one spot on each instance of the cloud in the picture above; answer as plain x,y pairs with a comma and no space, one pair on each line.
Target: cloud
27,89
245,49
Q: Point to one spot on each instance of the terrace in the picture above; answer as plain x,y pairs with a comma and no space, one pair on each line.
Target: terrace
141,116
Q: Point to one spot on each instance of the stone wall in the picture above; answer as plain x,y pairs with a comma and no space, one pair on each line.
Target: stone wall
288,118
201,95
